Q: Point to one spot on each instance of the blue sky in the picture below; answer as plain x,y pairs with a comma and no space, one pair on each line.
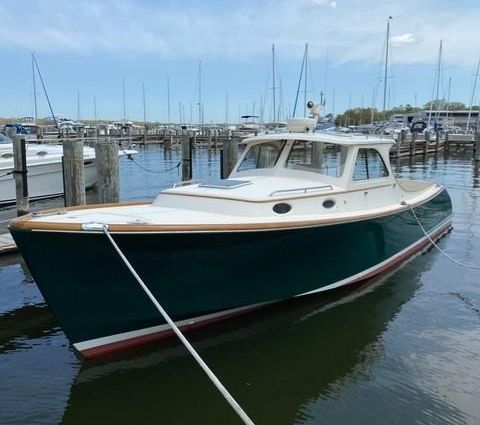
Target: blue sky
88,46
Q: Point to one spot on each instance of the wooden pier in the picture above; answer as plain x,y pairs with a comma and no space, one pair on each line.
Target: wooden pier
414,144
7,244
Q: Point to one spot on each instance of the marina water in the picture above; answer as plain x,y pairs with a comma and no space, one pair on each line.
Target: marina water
401,349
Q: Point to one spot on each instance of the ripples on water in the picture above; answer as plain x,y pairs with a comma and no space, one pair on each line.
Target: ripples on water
403,349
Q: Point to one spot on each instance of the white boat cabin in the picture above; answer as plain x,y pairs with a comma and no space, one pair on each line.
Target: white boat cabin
334,161
297,175
280,181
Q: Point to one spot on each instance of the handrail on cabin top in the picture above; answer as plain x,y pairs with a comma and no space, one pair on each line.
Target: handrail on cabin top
303,189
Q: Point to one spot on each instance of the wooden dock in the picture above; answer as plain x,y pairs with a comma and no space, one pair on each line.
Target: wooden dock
423,144
7,244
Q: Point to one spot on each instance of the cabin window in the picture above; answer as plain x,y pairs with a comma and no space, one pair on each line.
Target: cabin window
369,165
318,157
263,155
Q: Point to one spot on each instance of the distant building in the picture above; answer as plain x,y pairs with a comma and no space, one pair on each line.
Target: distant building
403,119
443,118
455,118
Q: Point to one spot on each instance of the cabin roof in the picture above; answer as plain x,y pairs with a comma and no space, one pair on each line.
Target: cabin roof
339,139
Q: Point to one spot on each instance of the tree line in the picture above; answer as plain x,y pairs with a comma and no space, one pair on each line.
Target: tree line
359,116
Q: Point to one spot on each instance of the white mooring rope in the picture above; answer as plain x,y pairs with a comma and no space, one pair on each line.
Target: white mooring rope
469,266
245,418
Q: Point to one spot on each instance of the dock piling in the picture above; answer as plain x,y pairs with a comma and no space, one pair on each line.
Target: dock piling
108,171
229,157
187,142
476,146
20,174
437,141
413,146
400,142
73,172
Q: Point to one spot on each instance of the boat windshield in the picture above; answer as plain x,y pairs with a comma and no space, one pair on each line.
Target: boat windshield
4,139
263,155
318,157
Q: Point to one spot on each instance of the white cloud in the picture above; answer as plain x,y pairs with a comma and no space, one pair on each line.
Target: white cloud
351,30
400,40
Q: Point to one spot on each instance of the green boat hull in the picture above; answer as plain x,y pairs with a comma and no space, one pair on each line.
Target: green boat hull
197,274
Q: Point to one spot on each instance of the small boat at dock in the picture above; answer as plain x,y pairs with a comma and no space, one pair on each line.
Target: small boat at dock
44,163
301,213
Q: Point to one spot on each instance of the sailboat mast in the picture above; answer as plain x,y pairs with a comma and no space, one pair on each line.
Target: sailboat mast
386,66
439,70
325,83
168,99
305,82
45,92
273,88
34,91
78,105
437,86
477,70
124,105
226,109
144,109
95,108
280,101
333,103
373,107
448,99
200,95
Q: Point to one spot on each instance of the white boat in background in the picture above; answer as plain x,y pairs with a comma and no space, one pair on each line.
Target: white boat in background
249,127
44,164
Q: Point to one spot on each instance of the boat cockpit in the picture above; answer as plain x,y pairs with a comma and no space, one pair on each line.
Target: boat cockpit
342,161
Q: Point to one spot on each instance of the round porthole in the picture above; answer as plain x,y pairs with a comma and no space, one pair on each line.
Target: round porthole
282,208
328,203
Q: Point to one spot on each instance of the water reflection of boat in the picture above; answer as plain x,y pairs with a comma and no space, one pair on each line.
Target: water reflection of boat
275,360
302,212
25,323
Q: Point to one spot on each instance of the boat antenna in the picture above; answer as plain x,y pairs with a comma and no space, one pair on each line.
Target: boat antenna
477,70
34,89
299,82
386,66
314,109
45,90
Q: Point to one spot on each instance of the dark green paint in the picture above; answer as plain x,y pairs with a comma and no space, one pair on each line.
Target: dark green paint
92,294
